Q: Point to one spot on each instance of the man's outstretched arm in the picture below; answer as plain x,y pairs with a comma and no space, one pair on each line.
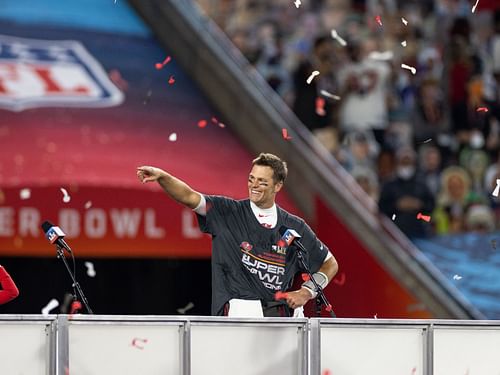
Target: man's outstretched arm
175,188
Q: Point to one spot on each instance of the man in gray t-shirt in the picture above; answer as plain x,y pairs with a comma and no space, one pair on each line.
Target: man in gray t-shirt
249,262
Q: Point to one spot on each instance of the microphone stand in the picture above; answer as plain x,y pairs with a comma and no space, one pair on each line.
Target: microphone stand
321,299
76,285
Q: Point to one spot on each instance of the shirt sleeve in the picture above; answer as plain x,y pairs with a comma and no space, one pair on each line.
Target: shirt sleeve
9,290
218,209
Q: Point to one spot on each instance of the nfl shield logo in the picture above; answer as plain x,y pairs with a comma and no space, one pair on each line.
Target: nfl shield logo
42,73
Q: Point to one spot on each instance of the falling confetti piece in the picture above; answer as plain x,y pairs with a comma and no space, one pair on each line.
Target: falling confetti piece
136,341
311,77
457,277
393,217
403,43
171,80
338,38
405,22
202,123
381,56
162,64
341,281
90,269
410,68
305,277
427,140
221,125
297,3
280,295
116,77
214,120
482,109
375,316
497,189
378,19
25,193
320,107
76,306
88,205
413,370
328,95
172,137
182,310
475,5
423,217
53,303
66,197
284,133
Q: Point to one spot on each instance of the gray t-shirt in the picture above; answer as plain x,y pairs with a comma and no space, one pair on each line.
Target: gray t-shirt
247,262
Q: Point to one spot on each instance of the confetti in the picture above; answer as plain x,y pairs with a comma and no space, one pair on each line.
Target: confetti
497,188
427,140
393,217
172,137
217,122
381,56
88,204
482,109
116,77
410,68
202,123
280,295
284,133
90,269
297,3
341,281
25,193
76,306
171,80
214,120
53,303
375,316
403,43
414,370
475,5
306,277
221,125
457,277
327,372
182,310
378,19
405,22
423,217
311,77
135,342
162,64
328,95
66,197
338,38
320,107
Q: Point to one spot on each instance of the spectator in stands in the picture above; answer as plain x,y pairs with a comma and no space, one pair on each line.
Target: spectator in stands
386,165
9,289
406,196
430,167
359,150
367,180
480,219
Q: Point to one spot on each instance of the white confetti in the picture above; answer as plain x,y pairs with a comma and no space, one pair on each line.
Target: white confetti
403,43
404,21
53,303
66,197
311,77
25,193
90,269
88,204
393,217
410,68
375,316
497,188
475,5
427,140
457,277
381,56
182,310
297,3
172,137
338,38
328,95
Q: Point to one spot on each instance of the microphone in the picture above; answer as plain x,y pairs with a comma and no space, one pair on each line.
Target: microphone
291,237
55,235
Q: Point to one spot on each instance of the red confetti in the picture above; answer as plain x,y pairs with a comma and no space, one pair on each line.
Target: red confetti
379,20
280,295
161,65
171,80
320,106
423,217
214,120
284,132
482,109
136,340
306,277
202,123
341,281
76,306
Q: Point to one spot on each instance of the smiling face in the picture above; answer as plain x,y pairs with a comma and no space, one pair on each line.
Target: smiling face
261,186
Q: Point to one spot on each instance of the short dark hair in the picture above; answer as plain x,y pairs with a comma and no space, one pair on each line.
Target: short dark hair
280,170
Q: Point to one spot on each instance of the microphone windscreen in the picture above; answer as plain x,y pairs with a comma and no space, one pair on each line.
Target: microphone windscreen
46,225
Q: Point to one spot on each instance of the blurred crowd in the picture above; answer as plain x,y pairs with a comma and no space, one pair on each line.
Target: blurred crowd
424,143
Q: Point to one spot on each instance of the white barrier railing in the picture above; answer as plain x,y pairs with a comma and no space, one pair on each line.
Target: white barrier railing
93,344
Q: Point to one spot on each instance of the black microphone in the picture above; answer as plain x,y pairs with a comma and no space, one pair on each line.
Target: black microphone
291,237
55,235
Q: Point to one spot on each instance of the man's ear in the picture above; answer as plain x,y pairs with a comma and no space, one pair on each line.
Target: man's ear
278,187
